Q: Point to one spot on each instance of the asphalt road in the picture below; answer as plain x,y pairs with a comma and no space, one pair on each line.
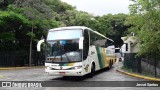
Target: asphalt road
38,74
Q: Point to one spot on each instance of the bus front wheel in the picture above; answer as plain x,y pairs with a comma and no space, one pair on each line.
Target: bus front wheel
92,71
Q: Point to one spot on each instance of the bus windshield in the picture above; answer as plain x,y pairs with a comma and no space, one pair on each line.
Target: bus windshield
63,51
64,34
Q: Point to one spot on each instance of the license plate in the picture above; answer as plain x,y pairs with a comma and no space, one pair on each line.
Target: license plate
61,73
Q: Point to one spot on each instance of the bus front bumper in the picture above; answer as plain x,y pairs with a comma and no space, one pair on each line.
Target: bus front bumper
77,72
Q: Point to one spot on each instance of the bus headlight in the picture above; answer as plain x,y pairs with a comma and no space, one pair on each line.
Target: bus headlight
76,67
49,68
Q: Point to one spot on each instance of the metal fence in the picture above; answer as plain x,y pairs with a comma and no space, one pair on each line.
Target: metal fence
148,64
20,58
132,62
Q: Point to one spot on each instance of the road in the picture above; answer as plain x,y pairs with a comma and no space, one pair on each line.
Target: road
38,74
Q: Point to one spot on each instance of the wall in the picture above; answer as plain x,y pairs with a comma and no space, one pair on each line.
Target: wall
150,68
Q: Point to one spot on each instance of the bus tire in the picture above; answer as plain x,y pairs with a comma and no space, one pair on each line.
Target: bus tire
92,70
110,65
112,62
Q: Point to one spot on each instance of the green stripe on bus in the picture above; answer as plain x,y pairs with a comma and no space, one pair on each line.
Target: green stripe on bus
61,64
102,58
99,57
66,64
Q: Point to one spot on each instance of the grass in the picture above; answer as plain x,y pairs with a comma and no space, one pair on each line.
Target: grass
126,69
144,73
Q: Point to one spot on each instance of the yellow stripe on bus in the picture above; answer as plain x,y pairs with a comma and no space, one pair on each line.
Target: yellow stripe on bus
104,56
70,64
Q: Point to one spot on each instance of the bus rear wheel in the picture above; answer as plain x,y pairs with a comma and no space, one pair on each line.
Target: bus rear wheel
110,65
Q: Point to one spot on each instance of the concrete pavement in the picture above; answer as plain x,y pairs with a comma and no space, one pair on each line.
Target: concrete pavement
15,68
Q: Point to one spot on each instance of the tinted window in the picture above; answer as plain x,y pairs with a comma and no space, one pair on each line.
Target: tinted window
117,50
126,46
86,44
63,51
97,40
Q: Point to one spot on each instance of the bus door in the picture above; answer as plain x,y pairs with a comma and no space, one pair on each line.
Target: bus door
86,57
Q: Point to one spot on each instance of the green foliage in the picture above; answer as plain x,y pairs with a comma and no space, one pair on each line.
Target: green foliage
31,34
144,20
114,27
9,18
7,36
26,19
12,26
21,16
126,69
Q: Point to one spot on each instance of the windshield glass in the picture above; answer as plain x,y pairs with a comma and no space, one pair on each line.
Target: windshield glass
63,51
64,34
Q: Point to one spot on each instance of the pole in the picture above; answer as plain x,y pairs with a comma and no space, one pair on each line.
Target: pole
30,50
155,65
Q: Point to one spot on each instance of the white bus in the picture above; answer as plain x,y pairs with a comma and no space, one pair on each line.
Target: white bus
75,51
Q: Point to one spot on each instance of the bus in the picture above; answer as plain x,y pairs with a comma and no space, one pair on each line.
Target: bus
75,51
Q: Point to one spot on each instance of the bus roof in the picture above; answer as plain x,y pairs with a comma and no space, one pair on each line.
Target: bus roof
80,27
69,27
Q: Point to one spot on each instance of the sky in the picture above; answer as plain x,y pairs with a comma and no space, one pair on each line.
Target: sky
101,7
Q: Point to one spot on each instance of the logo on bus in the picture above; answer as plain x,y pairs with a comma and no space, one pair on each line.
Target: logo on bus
86,68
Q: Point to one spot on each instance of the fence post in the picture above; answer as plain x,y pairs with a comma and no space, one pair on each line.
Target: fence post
155,61
139,64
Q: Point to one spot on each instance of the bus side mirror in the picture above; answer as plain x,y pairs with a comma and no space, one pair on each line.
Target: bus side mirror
39,45
81,43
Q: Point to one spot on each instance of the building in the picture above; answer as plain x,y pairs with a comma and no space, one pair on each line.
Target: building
129,50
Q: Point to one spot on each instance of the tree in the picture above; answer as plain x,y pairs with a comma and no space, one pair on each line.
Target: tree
114,27
145,23
12,25
24,22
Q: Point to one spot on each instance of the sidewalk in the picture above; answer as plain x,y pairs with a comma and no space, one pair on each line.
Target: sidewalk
136,75
25,67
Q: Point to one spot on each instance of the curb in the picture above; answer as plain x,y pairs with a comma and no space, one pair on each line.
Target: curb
16,68
138,76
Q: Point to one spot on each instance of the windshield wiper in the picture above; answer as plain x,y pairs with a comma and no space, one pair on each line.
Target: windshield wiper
56,54
54,57
67,57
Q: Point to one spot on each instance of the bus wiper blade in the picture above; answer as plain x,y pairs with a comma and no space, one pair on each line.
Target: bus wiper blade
54,57
67,57
56,54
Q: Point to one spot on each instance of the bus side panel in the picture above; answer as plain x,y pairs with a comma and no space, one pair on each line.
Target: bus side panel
94,57
105,58
114,59
86,66
111,57
101,57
